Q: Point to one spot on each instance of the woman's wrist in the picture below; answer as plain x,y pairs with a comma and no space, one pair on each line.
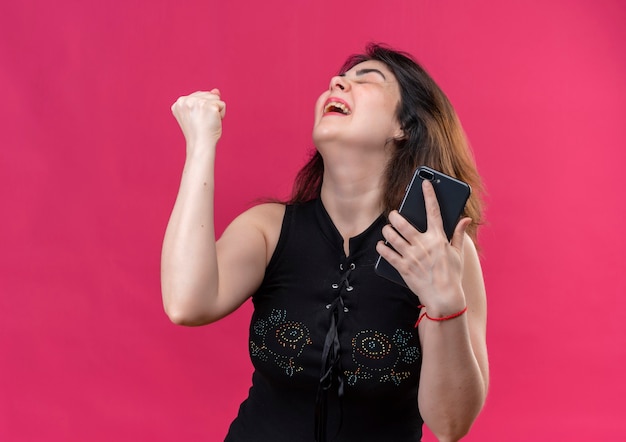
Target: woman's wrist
424,314
444,303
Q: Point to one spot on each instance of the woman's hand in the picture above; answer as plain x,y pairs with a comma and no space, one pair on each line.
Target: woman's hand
431,266
454,376
200,118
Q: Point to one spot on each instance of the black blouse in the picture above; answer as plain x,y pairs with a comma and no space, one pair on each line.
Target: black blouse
334,347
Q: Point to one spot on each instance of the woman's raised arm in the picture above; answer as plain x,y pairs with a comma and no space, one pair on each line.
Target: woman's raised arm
203,281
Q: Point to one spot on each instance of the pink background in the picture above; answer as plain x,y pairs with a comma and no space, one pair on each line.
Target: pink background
90,159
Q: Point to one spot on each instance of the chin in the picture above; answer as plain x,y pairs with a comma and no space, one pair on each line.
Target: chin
324,132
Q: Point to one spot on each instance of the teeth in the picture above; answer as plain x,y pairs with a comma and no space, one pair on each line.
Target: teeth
337,107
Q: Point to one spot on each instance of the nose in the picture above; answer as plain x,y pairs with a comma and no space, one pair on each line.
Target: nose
339,82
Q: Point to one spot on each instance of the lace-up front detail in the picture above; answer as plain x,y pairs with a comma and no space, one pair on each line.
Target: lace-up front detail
331,356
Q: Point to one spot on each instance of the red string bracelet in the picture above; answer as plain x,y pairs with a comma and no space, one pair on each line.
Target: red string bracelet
444,318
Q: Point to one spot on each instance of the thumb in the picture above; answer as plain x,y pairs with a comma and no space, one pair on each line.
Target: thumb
221,108
459,233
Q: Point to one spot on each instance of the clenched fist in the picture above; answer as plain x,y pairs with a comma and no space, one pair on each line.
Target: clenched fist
200,118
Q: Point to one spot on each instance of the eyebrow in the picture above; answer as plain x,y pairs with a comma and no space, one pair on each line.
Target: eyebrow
365,71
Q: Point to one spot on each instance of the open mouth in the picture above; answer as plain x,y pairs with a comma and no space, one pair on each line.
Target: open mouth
337,108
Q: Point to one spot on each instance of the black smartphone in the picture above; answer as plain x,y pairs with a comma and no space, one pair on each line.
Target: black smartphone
452,194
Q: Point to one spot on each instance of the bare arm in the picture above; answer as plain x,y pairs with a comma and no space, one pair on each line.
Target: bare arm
202,280
455,371
447,277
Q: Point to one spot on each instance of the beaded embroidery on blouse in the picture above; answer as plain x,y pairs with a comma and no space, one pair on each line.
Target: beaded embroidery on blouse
280,339
375,354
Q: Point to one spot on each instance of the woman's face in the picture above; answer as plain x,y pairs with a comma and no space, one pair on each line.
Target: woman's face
359,108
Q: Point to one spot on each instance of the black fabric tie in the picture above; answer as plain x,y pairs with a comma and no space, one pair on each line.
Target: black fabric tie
331,355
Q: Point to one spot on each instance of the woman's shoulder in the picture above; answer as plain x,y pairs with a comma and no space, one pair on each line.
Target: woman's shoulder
267,218
271,214
265,213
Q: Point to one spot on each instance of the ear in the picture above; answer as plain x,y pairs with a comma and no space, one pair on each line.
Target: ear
399,135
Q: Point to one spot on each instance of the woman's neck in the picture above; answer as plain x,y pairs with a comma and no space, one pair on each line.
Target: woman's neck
352,193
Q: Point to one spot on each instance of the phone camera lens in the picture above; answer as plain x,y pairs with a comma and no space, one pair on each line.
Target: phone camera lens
426,175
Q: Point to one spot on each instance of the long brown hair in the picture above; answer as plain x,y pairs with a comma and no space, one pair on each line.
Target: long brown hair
433,137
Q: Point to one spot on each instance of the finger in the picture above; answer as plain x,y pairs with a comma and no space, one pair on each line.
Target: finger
205,95
392,237
391,255
401,225
177,103
201,94
459,233
433,212
221,108
178,109
218,106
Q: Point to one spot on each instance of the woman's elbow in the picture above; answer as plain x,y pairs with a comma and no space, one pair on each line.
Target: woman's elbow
454,428
452,433
182,318
184,313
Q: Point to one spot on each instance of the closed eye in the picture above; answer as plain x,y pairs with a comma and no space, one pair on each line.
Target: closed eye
369,73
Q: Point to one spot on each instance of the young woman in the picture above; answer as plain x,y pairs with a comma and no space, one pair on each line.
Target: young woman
340,353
